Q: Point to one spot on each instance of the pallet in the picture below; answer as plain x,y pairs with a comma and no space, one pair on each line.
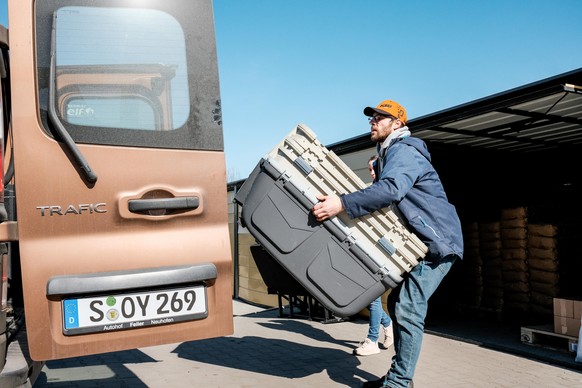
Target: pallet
544,336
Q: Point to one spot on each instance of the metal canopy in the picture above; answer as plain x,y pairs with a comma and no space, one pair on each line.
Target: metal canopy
542,116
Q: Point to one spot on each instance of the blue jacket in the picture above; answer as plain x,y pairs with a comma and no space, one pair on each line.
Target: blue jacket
409,180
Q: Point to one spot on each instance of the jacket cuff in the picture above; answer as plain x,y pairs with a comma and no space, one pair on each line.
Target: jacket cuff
343,198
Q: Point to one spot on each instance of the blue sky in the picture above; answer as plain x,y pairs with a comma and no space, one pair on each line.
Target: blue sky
321,62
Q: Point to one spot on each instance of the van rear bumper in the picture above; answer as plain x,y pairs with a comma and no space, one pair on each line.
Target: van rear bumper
122,281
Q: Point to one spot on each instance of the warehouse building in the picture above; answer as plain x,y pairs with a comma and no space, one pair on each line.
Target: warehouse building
509,164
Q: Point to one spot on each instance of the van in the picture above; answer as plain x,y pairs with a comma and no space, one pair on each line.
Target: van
113,227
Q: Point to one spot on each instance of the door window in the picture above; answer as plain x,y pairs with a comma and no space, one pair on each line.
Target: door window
122,75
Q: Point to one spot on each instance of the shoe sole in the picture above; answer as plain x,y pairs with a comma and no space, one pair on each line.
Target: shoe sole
367,354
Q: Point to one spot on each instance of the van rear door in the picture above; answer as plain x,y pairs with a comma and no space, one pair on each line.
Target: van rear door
120,174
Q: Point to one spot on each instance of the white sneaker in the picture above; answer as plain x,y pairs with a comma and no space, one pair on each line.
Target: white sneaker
367,348
388,336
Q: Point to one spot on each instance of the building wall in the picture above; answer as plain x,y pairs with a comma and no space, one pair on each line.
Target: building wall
251,286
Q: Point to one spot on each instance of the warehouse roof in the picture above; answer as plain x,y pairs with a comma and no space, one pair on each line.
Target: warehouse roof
536,117
541,116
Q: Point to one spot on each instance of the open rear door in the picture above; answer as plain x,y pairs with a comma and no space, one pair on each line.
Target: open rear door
120,174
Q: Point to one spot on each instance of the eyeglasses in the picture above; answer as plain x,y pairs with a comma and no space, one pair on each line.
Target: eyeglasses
376,119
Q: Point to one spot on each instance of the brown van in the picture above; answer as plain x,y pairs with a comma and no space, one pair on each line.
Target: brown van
115,187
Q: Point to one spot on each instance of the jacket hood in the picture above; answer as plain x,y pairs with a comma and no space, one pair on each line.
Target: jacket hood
417,143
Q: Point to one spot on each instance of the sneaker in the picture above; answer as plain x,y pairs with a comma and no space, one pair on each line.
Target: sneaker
381,383
367,348
375,383
388,336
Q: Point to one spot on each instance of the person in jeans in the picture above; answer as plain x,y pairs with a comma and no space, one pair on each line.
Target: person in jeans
377,314
377,317
407,179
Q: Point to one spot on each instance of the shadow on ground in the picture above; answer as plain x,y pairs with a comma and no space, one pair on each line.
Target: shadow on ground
279,357
270,356
111,370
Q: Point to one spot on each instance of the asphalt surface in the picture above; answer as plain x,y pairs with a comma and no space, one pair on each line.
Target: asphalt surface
271,351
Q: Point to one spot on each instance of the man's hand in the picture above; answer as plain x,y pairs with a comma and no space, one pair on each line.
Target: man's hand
327,207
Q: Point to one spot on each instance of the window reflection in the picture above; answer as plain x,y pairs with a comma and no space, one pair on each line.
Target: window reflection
137,80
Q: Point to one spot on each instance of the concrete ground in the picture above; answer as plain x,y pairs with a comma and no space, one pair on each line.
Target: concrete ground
269,351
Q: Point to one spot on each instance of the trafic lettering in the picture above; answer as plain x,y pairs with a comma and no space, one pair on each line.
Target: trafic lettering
90,208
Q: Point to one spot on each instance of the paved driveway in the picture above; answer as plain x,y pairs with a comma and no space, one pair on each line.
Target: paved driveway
268,351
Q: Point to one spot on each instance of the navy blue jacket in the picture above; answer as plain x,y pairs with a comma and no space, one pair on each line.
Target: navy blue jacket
409,181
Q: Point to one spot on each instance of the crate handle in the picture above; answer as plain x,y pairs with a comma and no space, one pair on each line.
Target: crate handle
303,165
387,246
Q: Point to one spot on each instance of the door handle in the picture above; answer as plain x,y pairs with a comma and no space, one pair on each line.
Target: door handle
171,204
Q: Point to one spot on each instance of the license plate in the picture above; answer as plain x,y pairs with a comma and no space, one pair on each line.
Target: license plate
132,311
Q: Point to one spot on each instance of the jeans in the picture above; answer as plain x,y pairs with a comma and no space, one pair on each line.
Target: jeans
377,316
408,305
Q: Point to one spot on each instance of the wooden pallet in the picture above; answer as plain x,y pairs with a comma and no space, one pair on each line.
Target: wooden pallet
544,336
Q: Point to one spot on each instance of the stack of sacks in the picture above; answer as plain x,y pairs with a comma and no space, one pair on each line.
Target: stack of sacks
490,252
516,290
471,267
543,266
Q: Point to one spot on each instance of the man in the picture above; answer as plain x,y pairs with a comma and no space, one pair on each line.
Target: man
405,177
